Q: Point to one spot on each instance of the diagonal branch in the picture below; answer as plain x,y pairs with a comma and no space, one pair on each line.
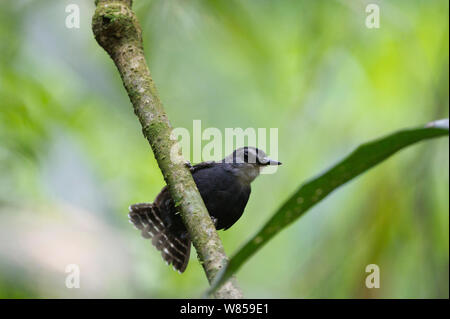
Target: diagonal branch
117,30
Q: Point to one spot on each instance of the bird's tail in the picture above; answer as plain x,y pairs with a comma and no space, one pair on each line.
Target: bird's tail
174,249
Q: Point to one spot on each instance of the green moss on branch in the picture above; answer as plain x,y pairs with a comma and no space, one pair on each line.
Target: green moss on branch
117,30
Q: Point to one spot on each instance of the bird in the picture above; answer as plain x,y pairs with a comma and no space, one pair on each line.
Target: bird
225,189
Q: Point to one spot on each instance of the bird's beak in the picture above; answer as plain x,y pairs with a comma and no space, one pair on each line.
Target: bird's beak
268,161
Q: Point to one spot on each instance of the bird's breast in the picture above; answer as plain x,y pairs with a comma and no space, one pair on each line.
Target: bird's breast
224,195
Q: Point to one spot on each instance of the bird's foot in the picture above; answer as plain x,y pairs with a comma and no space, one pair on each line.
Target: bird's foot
215,221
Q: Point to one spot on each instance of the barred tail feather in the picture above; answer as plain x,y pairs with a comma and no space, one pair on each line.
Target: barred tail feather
175,250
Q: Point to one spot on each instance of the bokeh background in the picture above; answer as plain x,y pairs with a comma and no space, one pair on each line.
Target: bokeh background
73,158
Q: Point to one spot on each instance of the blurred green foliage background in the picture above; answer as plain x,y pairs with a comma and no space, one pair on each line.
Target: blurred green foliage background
73,158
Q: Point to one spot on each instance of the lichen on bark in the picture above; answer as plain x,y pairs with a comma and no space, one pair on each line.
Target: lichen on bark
117,30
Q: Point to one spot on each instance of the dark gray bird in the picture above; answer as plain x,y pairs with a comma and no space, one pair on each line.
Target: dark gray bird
225,189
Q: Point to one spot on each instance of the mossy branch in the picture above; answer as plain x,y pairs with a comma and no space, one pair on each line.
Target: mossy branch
117,30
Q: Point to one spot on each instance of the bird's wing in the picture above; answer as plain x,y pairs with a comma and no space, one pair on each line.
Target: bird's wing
202,165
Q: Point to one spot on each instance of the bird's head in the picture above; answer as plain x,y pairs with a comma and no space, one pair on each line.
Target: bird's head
247,162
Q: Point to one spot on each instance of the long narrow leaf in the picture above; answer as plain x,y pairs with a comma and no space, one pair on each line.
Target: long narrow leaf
309,194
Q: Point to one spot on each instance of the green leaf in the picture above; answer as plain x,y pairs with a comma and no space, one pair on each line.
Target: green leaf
310,193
